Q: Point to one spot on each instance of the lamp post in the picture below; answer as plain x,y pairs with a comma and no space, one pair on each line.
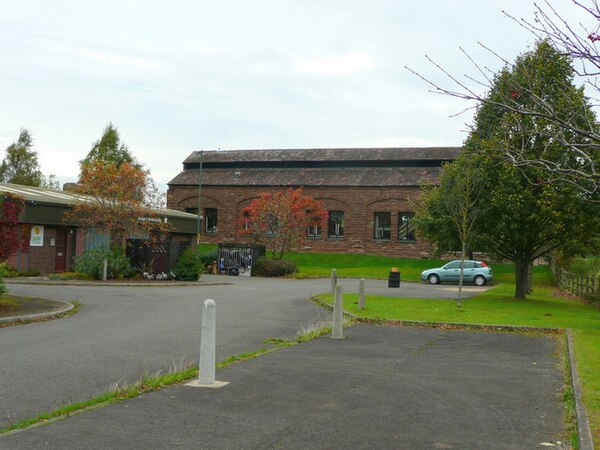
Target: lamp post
199,226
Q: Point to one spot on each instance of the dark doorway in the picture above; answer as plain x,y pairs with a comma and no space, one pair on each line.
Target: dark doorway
155,257
60,255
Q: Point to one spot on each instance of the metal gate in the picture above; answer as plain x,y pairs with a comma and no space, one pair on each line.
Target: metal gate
238,259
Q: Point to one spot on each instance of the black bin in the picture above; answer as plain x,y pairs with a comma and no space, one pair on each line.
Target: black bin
394,280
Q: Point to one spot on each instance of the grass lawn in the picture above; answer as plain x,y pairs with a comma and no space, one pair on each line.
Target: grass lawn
371,266
207,248
498,307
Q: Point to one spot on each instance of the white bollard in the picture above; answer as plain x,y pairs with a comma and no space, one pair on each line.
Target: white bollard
333,281
361,294
105,270
337,331
208,347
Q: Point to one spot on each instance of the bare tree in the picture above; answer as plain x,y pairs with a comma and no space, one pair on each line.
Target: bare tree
458,201
580,164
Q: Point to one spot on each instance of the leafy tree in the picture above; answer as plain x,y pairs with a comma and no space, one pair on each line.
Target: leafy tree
20,166
119,200
579,160
110,149
280,220
450,212
11,238
526,216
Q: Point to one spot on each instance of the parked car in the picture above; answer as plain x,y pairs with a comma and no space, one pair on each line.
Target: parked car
476,272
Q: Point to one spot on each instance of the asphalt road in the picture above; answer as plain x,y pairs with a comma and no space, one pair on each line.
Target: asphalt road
382,387
122,332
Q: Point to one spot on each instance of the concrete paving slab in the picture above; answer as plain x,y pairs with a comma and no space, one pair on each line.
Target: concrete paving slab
383,387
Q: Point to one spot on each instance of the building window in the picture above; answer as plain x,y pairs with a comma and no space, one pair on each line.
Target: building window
210,220
313,231
335,225
383,225
246,220
406,226
272,227
191,210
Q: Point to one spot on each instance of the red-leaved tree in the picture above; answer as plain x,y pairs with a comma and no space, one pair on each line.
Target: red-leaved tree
280,220
11,238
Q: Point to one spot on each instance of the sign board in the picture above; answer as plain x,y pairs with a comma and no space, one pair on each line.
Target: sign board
37,236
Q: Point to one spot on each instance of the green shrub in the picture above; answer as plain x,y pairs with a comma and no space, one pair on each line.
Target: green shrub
8,271
590,265
69,276
29,273
188,266
3,288
208,258
11,272
267,267
92,263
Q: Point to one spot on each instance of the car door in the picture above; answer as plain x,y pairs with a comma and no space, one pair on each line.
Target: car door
469,271
451,271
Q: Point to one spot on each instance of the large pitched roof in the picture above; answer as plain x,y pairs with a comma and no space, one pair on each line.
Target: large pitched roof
355,176
328,154
379,167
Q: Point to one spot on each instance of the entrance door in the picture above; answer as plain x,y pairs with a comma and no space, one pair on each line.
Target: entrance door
60,257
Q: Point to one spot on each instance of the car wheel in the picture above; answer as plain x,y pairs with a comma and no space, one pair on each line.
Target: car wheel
433,279
480,280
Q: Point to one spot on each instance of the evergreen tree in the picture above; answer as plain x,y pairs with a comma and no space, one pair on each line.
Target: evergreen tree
20,166
110,149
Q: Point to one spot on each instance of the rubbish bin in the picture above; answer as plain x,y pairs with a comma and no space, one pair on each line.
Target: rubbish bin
394,278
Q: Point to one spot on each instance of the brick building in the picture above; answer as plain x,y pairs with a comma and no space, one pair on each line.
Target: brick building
367,191
54,243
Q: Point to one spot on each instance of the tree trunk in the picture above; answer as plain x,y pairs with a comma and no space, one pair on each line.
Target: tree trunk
521,279
529,288
462,276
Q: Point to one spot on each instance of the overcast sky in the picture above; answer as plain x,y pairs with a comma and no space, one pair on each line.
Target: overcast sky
180,76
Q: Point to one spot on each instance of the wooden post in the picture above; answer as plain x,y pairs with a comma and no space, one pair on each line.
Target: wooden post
337,330
587,284
333,281
361,294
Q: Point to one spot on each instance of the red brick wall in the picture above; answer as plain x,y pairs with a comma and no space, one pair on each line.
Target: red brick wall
358,204
37,258
44,258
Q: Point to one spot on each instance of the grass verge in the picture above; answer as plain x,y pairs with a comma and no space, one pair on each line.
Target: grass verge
544,309
74,310
177,374
8,304
568,397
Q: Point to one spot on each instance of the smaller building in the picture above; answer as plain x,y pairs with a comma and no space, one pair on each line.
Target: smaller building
54,244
